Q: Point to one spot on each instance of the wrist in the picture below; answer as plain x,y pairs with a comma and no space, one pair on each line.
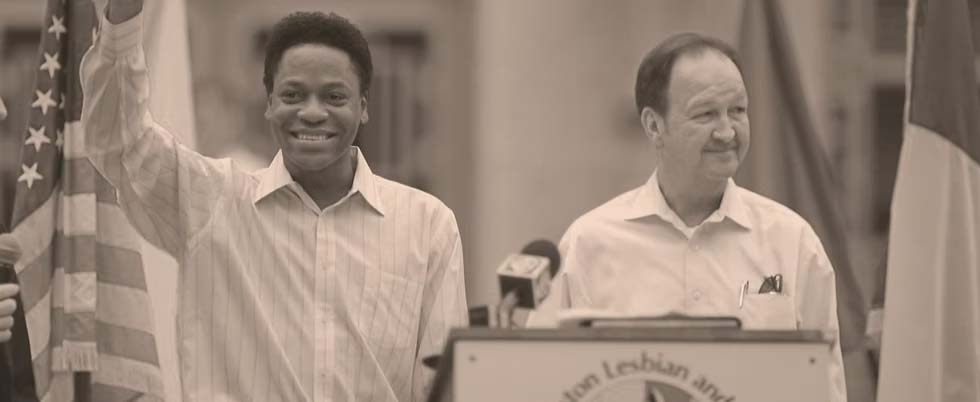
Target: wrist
120,11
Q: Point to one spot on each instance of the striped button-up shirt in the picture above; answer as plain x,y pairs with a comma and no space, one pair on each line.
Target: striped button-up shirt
278,299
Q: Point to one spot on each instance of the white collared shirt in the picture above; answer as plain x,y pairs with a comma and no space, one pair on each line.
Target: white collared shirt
635,255
278,299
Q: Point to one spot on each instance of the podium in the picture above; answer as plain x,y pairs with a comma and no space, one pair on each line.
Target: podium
632,364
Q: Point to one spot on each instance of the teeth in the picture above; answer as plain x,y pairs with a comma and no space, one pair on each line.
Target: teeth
308,137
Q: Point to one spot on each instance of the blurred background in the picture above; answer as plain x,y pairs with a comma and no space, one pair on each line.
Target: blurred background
519,114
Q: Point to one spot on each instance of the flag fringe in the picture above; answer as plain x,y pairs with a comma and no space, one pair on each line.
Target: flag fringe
75,357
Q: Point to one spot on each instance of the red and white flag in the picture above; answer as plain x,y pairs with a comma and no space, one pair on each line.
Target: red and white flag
931,334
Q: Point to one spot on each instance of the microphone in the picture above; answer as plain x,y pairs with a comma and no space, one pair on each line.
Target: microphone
525,278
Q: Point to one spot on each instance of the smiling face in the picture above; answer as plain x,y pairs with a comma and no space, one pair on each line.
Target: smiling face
704,134
315,107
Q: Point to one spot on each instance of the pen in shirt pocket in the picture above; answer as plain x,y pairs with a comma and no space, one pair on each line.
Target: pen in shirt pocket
741,293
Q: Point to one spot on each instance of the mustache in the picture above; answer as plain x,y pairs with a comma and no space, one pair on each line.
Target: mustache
721,146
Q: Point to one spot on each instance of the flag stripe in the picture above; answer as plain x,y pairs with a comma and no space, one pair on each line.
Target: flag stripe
105,194
77,252
74,324
128,374
102,392
931,301
940,100
132,343
39,326
120,266
129,307
84,179
115,230
76,214
74,138
80,177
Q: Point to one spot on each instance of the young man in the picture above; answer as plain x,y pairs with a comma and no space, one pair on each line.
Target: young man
310,280
690,240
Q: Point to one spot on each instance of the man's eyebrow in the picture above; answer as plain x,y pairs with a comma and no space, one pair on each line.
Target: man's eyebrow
702,101
291,83
699,103
330,84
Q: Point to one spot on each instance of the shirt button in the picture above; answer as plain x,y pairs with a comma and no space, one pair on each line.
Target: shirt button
695,246
696,295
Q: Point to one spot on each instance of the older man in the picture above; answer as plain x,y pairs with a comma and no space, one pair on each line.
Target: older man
690,240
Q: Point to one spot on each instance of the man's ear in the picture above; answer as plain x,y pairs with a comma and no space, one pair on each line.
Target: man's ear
364,110
653,125
268,106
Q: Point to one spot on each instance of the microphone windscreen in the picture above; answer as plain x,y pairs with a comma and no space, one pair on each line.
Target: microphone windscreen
547,249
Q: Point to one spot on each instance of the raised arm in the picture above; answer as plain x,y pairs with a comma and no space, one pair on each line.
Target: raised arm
167,190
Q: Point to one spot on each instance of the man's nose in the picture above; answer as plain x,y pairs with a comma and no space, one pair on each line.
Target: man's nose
313,112
725,131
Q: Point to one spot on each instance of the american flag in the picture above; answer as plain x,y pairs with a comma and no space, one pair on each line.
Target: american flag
88,313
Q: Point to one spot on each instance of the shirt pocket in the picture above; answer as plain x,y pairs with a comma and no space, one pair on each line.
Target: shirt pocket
397,312
768,311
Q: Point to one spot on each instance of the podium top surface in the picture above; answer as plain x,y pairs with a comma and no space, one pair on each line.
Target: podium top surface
713,335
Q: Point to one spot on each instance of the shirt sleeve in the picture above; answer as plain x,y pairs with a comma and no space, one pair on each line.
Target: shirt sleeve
817,304
166,189
443,301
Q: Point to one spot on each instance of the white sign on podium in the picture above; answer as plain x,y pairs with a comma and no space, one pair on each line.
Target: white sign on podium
633,365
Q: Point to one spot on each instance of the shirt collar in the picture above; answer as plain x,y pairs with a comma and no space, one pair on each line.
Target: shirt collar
276,176
650,201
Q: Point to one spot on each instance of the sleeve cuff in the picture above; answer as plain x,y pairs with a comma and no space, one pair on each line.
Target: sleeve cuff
122,39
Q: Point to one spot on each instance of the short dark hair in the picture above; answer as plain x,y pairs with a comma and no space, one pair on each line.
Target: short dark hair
315,27
653,76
